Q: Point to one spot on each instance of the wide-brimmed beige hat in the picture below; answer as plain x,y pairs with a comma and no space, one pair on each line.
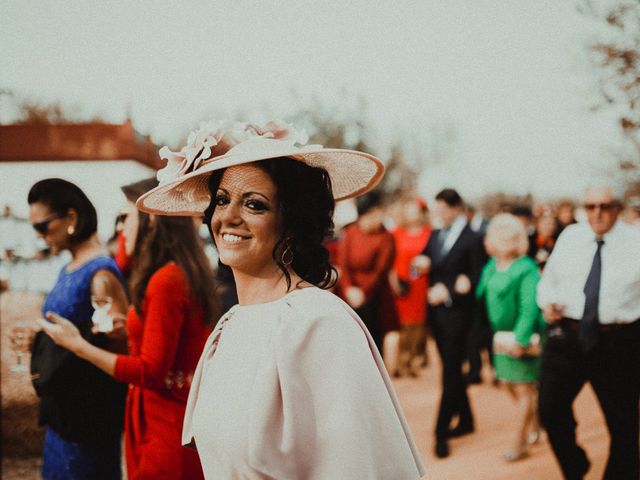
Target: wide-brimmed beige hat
184,190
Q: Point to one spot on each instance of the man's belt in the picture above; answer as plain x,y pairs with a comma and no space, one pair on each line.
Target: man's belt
574,325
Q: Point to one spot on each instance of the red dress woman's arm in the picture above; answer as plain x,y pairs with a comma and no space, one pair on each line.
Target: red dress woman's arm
166,305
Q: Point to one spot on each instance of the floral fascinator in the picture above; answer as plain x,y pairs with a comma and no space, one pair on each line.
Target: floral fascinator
183,183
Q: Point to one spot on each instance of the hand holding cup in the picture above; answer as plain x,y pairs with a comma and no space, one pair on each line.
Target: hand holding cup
420,264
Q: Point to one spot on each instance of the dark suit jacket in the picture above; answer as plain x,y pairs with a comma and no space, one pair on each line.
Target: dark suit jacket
466,256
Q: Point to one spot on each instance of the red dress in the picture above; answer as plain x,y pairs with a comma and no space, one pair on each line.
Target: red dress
164,348
412,307
364,260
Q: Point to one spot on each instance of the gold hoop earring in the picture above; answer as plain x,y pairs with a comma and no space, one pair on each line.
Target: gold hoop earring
71,230
287,261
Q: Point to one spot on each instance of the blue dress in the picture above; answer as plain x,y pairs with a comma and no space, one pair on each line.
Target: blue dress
81,406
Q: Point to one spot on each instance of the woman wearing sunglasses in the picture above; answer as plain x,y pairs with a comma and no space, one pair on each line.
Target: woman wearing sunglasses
81,407
168,322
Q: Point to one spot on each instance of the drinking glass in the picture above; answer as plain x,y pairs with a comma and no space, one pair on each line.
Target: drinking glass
101,318
18,338
101,302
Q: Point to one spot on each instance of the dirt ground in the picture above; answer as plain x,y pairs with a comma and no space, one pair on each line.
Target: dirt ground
476,456
21,437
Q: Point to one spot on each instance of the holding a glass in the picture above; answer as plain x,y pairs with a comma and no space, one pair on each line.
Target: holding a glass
80,406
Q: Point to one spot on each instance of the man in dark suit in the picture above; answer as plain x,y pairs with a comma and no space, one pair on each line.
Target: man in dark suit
454,258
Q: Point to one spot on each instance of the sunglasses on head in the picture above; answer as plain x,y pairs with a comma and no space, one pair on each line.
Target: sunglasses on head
605,207
43,226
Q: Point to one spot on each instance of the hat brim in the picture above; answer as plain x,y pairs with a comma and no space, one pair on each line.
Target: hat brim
352,173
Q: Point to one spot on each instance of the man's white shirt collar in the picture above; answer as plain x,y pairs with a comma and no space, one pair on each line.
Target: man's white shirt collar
455,229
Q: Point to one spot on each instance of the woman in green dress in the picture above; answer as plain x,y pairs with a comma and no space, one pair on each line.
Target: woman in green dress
508,289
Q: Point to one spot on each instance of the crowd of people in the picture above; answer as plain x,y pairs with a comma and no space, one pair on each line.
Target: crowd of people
554,320
271,366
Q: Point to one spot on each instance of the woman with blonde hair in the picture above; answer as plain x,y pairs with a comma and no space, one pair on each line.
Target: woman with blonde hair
508,288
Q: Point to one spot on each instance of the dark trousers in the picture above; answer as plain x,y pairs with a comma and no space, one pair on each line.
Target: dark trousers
370,315
480,338
451,330
613,369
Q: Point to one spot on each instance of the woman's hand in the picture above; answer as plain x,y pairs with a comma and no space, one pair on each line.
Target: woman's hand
63,332
516,351
119,331
355,297
396,286
421,264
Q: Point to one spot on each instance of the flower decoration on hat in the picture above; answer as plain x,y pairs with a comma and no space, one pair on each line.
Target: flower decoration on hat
215,139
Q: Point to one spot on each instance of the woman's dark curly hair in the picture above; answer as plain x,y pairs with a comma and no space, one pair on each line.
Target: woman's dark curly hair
306,204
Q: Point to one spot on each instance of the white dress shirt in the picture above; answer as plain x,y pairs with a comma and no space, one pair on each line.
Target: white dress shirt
566,272
455,229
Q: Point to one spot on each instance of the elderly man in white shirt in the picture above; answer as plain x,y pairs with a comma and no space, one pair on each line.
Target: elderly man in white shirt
590,296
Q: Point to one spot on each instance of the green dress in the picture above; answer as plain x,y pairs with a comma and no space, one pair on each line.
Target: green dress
510,300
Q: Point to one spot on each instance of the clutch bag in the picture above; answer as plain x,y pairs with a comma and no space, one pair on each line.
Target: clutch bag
504,341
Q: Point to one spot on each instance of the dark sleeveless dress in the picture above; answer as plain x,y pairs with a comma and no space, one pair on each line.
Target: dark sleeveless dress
81,406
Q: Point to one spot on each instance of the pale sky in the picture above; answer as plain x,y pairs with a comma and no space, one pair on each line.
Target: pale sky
510,78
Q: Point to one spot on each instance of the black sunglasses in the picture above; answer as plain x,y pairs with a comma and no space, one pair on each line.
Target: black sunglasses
43,226
121,218
605,207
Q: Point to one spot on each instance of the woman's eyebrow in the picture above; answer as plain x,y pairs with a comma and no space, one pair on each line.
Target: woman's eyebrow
245,195
248,194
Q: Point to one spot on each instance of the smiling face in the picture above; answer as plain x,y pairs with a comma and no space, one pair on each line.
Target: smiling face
53,229
246,221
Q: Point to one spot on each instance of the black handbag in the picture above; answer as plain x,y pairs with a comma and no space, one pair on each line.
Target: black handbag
52,364
77,400
47,360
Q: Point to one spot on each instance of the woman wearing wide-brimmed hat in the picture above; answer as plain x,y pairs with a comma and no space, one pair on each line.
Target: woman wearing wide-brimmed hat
290,384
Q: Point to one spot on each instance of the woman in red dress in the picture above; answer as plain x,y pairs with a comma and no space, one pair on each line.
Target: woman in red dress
168,323
364,258
410,289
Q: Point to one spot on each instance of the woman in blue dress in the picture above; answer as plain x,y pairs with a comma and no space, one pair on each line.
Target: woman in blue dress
80,406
